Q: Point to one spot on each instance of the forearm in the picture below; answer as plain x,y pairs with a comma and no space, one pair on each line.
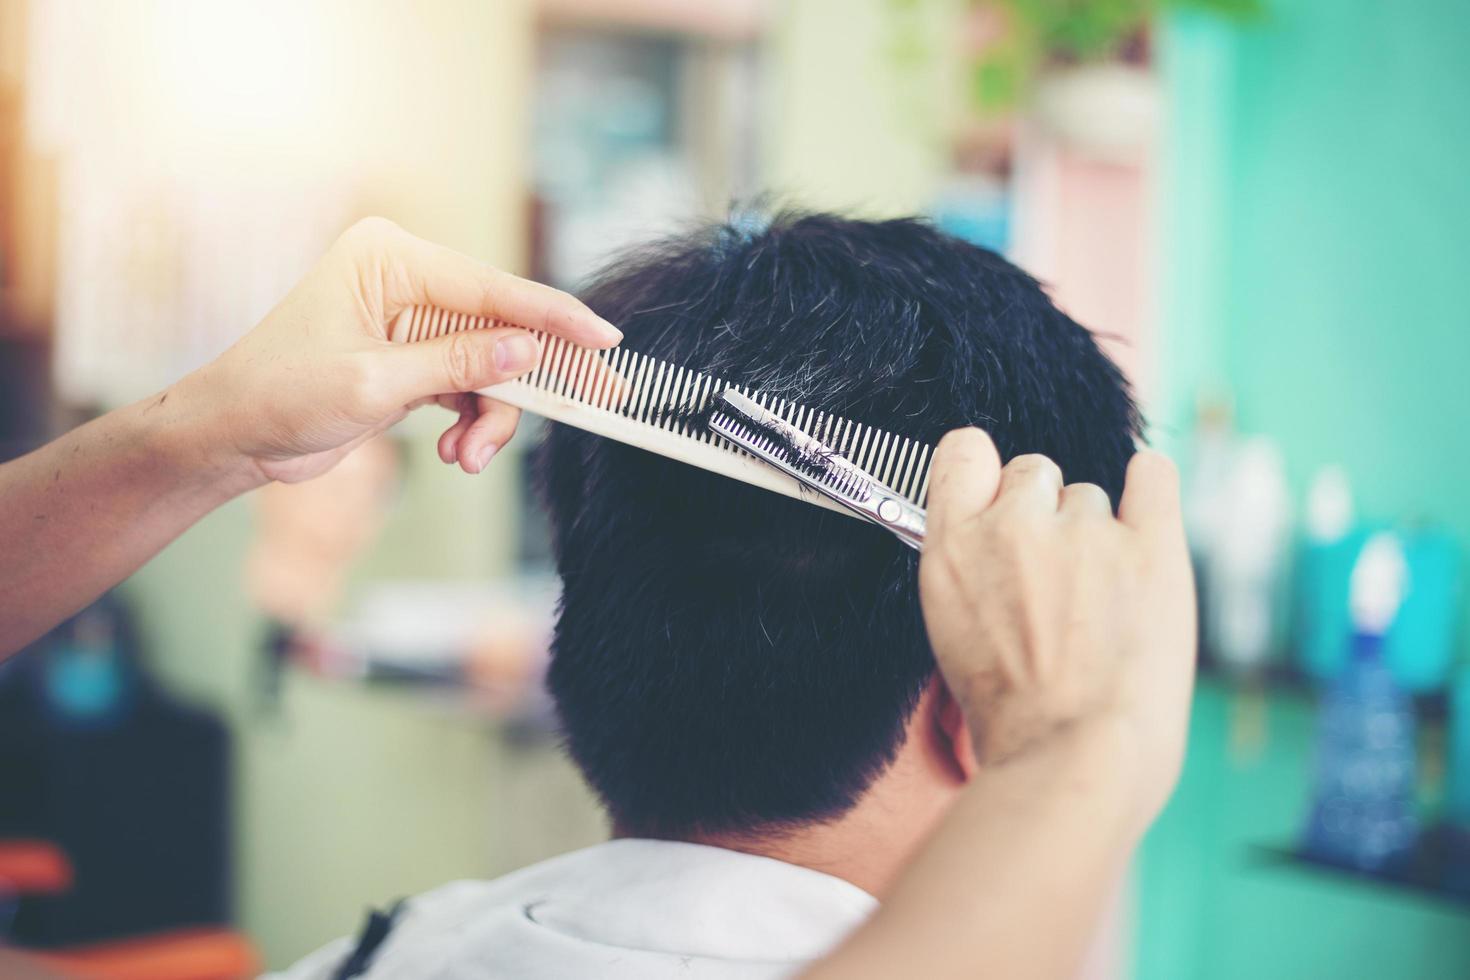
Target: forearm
82,513
1014,882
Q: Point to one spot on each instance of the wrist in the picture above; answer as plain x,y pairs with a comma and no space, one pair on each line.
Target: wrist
186,431
1095,762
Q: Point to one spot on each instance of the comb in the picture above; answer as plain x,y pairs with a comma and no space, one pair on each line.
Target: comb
654,405
747,424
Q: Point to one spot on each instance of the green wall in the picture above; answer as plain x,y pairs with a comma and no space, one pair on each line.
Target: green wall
1210,906
1315,249
1317,241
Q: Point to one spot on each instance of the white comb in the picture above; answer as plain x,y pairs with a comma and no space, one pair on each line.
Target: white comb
646,402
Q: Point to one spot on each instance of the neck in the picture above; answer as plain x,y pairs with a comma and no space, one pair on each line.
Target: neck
837,850
870,844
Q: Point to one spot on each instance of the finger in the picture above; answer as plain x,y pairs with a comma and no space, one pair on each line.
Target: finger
450,401
1151,495
429,274
964,475
1031,483
460,362
1085,500
487,434
449,441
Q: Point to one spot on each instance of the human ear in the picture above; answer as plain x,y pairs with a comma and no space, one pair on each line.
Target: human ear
956,732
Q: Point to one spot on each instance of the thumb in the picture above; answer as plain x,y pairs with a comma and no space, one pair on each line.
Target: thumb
465,361
966,474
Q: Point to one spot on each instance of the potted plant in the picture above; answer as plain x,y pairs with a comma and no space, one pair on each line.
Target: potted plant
1079,66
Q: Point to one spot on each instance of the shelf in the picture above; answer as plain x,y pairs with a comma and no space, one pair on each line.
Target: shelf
1439,868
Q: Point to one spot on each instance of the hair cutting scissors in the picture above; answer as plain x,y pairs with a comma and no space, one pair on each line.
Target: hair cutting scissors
771,439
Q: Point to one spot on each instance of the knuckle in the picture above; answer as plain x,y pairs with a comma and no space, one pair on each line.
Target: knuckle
465,362
490,291
1094,498
369,232
1155,465
1035,464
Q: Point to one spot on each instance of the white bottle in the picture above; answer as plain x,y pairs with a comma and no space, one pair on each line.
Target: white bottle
1244,564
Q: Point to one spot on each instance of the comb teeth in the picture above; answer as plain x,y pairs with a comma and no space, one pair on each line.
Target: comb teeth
652,404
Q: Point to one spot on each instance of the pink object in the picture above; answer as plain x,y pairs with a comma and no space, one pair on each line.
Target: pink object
1084,231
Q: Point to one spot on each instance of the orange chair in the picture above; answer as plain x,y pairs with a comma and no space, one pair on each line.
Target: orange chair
31,867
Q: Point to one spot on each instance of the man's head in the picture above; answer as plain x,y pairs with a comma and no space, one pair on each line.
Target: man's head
731,661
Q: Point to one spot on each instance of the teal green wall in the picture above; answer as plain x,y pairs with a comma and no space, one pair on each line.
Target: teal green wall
1315,255
1316,244
1209,908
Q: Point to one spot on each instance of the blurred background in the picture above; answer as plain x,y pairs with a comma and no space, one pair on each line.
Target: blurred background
327,696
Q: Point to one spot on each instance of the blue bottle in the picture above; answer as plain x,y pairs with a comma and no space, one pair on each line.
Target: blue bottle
1363,814
1459,796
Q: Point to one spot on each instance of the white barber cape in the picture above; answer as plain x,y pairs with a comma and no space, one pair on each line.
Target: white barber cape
624,910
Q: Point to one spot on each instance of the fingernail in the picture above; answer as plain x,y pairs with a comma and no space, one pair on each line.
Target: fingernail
487,454
516,354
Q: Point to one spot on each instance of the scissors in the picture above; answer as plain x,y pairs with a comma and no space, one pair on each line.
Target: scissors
768,437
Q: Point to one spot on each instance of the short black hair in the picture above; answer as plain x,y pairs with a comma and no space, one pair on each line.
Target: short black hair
726,659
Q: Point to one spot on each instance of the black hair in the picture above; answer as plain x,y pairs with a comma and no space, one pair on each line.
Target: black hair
726,659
